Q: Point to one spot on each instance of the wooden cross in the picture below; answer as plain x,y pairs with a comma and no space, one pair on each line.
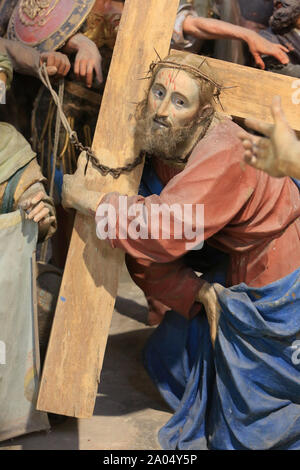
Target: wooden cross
89,286
90,281
248,91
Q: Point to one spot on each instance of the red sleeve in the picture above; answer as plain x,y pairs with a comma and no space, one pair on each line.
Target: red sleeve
215,177
173,284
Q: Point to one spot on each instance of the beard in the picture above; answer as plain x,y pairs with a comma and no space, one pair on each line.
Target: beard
163,142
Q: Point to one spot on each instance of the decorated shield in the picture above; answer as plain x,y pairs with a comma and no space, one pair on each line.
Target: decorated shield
47,24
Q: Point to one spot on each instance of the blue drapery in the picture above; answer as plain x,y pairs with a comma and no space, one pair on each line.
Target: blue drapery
246,393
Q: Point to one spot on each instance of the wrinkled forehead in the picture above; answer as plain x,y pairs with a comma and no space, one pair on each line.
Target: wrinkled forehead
177,80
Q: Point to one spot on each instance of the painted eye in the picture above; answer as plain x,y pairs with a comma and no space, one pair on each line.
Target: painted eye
179,102
158,93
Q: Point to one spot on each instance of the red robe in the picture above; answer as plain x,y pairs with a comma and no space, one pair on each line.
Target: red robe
248,214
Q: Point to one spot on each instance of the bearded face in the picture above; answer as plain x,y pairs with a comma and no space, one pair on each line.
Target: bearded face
286,16
170,116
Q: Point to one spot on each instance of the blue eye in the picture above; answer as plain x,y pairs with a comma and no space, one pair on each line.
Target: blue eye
158,93
179,102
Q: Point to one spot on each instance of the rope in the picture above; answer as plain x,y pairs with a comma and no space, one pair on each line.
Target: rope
44,248
91,157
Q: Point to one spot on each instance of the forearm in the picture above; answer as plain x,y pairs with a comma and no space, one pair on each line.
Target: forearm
25,60
74,43
210,28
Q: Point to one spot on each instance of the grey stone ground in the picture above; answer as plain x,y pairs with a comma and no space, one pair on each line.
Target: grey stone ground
129,411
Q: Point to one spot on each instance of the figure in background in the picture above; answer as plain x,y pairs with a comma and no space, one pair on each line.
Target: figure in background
87,36
27,215
17,156
6,10
192,31
284,28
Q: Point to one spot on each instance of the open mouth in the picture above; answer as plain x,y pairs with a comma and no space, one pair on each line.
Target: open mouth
160,124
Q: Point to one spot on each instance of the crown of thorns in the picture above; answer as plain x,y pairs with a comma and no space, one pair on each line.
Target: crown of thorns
195,71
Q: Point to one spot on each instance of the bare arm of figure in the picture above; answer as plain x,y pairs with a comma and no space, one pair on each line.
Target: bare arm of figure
278,153
209,28
88,59
27,60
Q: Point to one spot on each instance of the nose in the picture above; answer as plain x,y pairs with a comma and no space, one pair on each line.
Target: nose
164,108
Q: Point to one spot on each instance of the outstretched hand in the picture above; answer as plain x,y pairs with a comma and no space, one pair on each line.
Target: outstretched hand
259,46
274,152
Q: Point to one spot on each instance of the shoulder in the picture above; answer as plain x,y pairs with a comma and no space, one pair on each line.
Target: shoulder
9,135
221,140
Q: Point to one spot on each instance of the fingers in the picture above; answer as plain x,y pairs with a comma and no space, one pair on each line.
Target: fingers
258,60
52,70
259,126
89,75
255,161
250,158
256,150
38,213
35,209
98,71
37,198
281,56
67,66
285,48
248,145
48,220
88,60
77,67
213,311
48,58
248,140
29,203
277,111
84,71
57,63
80,68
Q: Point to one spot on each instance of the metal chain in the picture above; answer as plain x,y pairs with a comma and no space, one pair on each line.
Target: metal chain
91,156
